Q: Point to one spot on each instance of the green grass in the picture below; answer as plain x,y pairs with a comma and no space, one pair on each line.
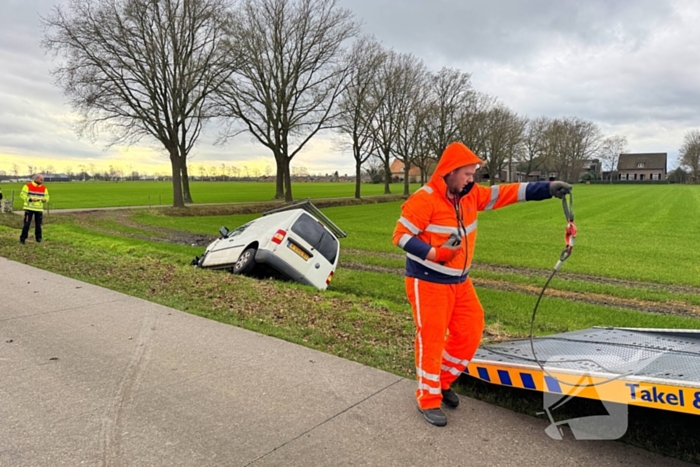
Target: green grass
200,224
72,195
513,310
642,233
645,233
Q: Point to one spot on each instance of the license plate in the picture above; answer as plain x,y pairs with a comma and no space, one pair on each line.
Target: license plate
298,250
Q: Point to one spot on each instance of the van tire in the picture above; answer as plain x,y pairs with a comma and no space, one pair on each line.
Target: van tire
245,263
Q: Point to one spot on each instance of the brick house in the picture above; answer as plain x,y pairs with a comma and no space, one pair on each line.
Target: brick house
642,166
398,172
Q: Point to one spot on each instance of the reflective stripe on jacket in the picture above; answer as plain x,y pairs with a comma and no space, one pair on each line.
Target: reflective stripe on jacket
33,194
429,217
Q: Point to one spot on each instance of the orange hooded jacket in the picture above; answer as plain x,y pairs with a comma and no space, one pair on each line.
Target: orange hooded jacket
428,217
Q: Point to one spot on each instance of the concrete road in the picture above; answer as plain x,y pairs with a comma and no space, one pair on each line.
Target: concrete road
97,378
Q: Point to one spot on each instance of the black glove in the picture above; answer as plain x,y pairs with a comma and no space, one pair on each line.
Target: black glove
559,189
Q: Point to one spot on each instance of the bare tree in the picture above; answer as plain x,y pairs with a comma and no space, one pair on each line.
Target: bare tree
569,143
450,96
410,90
142,68
291,75
15,170
610,151
384,124
375,170
424,157
473,121
690,154
212,172
502,138
534,145
394,129
359,104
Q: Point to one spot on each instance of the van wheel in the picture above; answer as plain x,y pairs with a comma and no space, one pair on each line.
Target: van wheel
245,263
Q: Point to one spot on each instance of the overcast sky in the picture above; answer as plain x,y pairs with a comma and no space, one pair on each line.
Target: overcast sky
633,67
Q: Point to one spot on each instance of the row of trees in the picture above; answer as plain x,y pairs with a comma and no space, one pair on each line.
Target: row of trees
163,69
282,71
83,172
117,172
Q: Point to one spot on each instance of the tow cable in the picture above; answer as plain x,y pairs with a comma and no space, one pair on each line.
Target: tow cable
570,239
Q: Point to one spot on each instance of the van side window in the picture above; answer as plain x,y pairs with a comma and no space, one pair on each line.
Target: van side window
315,235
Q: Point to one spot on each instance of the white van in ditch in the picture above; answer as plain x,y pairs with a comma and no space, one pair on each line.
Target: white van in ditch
297,241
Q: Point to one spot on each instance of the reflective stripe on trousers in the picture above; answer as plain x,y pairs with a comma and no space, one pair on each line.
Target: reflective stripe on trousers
449,321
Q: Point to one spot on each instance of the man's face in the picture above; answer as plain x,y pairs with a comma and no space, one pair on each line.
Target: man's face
38,179
459,178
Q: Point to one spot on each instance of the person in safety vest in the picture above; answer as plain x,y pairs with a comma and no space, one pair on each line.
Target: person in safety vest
437,229
35,195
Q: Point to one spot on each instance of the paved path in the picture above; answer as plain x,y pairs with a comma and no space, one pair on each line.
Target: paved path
97,378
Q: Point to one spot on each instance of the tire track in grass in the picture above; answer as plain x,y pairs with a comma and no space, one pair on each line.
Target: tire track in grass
504,269
663,308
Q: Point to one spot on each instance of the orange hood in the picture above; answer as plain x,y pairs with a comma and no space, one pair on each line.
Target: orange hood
456,155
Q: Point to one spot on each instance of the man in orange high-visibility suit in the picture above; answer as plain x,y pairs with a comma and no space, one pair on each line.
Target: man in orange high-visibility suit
437,229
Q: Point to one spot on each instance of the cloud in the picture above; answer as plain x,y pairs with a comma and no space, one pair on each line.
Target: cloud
631,67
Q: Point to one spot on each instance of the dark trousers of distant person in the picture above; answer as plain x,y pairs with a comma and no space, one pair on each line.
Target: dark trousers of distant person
38,219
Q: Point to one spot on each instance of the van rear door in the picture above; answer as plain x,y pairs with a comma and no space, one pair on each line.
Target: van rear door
315,239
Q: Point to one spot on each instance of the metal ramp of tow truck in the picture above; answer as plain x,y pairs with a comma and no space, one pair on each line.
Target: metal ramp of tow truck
307,206
655,368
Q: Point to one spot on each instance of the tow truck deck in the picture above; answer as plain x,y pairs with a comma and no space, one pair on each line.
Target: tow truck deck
656,368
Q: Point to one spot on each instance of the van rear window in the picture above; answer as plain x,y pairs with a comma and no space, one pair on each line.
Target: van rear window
315,235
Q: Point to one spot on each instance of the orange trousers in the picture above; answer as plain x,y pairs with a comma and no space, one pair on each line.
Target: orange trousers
449,322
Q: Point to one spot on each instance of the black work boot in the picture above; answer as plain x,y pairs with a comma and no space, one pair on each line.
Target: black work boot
450,398
434,416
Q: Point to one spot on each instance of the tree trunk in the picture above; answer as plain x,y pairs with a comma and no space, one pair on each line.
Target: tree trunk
279,178
407,181
358,178
492,177
387,177
287,182
186,184
178,201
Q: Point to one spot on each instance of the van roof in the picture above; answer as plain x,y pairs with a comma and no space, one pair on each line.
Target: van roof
307,206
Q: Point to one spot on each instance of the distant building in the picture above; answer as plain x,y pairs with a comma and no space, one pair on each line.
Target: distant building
591,169
56,178
642,166
398,172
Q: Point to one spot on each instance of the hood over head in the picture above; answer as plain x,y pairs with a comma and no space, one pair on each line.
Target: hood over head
456,155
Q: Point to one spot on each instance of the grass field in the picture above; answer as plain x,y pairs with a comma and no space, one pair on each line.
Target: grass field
72,195
628,232
636,263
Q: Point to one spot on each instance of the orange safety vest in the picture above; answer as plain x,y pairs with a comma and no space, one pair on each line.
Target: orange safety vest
33,194
429,217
